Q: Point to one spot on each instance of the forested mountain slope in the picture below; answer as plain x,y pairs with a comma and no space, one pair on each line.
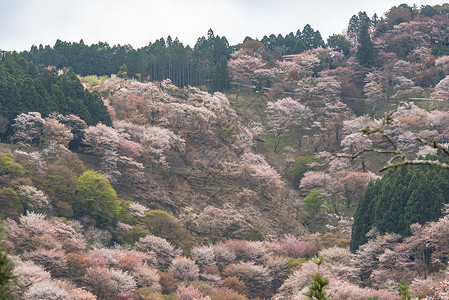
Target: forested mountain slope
139,188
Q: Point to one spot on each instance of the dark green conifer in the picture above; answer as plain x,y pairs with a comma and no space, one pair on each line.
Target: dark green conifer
365,51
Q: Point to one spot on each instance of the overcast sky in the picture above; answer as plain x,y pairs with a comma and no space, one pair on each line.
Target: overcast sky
138,22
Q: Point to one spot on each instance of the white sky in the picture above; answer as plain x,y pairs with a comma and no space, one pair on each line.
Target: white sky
138,22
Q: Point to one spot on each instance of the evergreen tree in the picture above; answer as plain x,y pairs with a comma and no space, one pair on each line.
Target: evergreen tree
25,88
363,217
409,195
365,51
221,76
311,38
299,47
7,278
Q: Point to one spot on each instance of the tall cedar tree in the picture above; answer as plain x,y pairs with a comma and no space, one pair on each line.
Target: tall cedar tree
365,51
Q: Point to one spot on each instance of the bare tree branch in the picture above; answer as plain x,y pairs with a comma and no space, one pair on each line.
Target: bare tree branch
399,159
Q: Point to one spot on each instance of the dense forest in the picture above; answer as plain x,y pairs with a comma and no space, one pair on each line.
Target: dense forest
402,198
230,172
24,87
203,65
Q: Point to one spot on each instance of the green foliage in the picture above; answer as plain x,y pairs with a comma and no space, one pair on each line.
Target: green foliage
311,38
91,80
15,171
365,51
319,283
220,75
227,134
161,224
428,11
300,167
7,278
255,233
8,166
24,88
404,291
95,197
294,264
439,50
10,204
158,212
340,43
312,204
300,46
205,64
123,72
412,194
131,236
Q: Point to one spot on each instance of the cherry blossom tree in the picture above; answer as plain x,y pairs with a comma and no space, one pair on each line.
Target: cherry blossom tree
147,277
195,118
373,88
243,66
75,124
100,138
156,142
315,180
283,114
54,261
259,173
290,246
137,209
99,281
122,281
327,88
332,116
34,199
189,293
30,273
256,278
28,128
184,269
443,63
224,255
221,223
308,63
278,270
164,251
355,142
351,185
442,88
55,132
46,290
203,255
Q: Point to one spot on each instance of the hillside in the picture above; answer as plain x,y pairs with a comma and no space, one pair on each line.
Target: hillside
227,185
